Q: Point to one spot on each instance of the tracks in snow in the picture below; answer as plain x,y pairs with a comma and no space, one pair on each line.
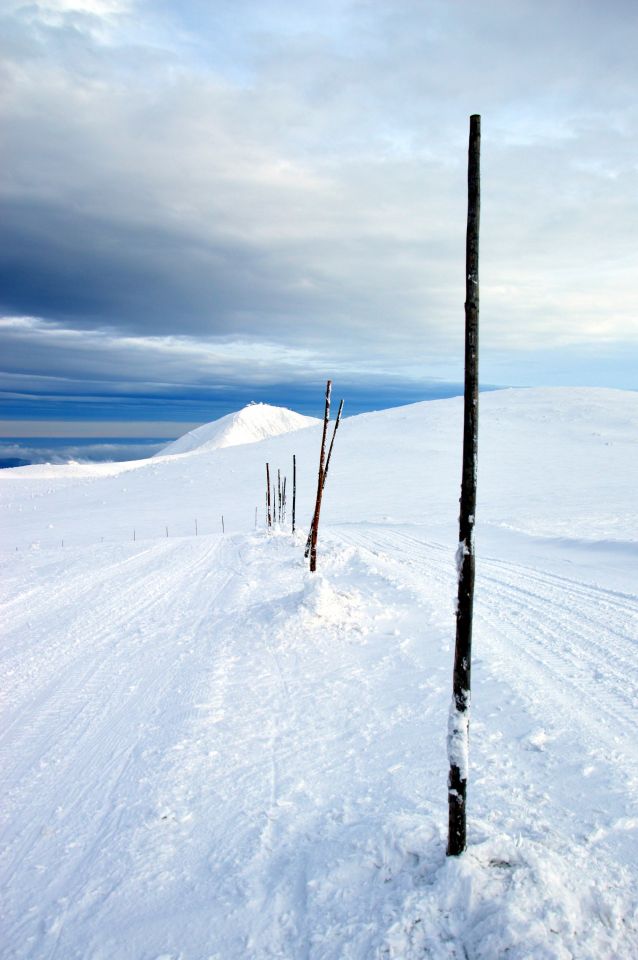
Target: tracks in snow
202,725
114,657
568,645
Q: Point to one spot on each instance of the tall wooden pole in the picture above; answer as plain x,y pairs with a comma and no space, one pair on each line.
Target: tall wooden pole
458,723
294,490
269,518
322,459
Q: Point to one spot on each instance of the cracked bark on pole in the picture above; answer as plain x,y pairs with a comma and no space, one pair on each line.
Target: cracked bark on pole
320,481
458,728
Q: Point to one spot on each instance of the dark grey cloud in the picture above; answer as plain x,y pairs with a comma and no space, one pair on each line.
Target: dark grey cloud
91,269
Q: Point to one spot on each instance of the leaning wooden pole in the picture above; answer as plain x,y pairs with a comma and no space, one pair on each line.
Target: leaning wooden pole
320,480
332,443
458,724
325,474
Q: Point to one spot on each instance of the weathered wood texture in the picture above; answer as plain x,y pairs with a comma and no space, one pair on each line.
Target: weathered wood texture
457,784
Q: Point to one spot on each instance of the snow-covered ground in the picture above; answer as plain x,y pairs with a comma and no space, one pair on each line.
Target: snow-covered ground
208,752
257,421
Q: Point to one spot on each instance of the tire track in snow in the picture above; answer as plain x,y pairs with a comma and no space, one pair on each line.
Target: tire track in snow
550,633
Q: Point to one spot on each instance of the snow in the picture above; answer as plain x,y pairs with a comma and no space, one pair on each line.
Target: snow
208,752
255,422
458,733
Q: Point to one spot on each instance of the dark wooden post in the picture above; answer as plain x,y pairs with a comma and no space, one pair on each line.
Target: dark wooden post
268,495
322,459
458,724
294,490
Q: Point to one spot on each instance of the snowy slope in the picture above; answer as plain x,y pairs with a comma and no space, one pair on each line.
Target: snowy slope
208,752
257,421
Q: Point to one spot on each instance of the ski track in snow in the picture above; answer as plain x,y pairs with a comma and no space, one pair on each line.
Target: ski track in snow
573,634
212,754
82,718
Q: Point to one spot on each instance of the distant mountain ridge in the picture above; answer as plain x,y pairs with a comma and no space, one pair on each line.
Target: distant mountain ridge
257,421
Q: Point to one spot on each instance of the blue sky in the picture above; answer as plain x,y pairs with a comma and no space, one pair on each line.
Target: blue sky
206,203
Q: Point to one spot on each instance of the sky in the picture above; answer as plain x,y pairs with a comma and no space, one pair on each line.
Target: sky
208,202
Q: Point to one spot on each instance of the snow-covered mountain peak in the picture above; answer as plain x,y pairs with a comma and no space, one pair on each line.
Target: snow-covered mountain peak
257,421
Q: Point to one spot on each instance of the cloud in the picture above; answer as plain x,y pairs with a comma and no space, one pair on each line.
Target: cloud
193,194
22,454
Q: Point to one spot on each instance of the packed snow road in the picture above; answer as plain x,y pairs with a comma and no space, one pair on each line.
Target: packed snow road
207,752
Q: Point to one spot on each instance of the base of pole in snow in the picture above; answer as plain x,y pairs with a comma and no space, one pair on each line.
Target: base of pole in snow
457,829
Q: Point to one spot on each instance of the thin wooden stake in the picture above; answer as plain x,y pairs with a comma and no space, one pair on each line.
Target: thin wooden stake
334,434
195,527
223,528
458,724
268,495
314,530
255,518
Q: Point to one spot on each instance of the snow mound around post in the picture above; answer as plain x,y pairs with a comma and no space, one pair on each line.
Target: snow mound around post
257,421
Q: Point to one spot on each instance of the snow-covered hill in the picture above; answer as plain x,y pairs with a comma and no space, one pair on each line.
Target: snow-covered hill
208,752
257,421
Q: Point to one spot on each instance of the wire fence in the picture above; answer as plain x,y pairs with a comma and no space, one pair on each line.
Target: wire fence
148,530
